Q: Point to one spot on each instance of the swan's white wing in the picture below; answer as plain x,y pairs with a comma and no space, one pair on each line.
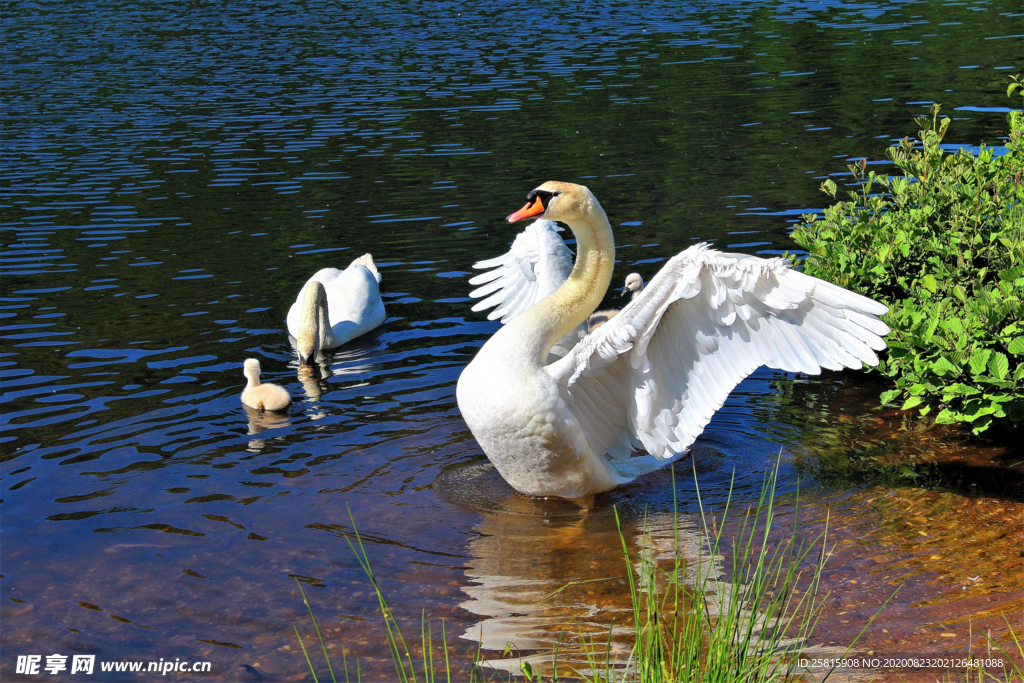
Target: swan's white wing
653,375
536,265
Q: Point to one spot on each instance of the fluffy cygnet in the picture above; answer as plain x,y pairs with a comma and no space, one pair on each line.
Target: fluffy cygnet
262,396
634,283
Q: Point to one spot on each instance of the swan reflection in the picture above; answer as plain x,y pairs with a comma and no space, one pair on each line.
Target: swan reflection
357,358
536,591
533,588
314,382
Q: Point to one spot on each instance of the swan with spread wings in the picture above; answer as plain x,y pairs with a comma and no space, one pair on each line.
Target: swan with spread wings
564,413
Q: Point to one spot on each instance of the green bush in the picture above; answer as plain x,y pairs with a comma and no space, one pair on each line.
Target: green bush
943,246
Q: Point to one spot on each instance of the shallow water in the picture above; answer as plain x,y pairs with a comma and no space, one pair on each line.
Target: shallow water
172,174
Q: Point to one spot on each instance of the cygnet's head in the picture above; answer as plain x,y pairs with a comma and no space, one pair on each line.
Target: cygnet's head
566,202
251,368
634,283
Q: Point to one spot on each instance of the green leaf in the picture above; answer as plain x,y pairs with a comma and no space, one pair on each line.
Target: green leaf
960,389
1011,274
979,360
942,366
993,382
907,472
998,365
930,283
981,411
888,396
946,417
911,402
1016,347
982,424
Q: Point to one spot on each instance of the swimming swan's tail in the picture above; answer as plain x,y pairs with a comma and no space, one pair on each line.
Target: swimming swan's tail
367,261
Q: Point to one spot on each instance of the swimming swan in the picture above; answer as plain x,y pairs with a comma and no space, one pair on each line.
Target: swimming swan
262,396
635,284
651,377
335,306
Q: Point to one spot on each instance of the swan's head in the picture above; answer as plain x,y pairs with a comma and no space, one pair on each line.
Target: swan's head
634,283
312,322
251,369
565,202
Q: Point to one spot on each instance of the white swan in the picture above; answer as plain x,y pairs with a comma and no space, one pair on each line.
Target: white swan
262,396
635,284
335,306
651,377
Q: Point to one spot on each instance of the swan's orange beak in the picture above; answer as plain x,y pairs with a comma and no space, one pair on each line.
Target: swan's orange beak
532,208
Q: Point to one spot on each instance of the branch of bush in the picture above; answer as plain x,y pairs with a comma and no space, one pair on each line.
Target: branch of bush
942,244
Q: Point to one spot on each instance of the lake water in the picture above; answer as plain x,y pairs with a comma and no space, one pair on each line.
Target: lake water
172,173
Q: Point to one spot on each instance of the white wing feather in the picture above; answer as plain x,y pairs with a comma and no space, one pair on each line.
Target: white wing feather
671,357
536,265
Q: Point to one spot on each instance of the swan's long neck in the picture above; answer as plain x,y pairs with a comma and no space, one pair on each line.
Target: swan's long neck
570,304
254,380
313,318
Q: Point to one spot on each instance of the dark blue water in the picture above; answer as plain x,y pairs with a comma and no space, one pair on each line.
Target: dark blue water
171,175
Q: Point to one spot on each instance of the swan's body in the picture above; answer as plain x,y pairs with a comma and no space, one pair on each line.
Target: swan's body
651,377
262,396
634,284
334,307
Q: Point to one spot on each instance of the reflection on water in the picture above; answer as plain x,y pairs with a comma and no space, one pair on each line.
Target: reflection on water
170,177
547,575
260,420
